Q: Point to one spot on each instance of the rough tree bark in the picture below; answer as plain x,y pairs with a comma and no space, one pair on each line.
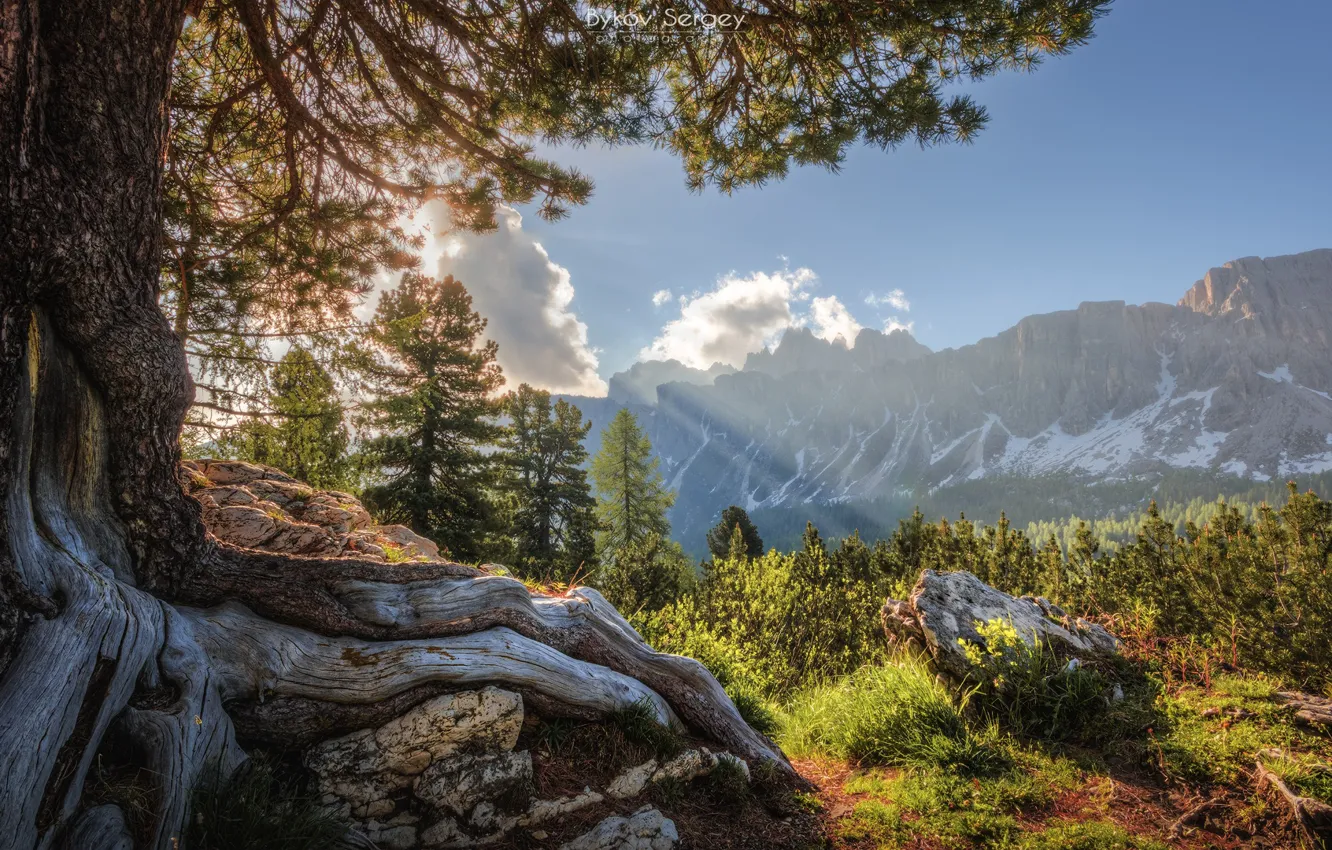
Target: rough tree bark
123,626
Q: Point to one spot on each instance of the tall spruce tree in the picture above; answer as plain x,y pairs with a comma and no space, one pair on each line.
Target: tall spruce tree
632,499
732,519
435,407
309,439
554,516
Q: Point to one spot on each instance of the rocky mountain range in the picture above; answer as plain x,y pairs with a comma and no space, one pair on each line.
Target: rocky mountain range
1235,379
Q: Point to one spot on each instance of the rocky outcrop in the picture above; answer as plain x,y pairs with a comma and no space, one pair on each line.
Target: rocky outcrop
260,507
945,608
447,774
646,829
638,384
446,756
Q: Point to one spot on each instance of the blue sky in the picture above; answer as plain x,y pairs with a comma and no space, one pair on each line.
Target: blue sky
1186,134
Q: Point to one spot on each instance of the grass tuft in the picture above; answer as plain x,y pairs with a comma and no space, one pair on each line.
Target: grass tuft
255,809
555,735
639,725
753,708
896,714
728,784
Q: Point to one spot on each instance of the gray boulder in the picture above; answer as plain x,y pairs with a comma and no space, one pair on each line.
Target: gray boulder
646,829
945,608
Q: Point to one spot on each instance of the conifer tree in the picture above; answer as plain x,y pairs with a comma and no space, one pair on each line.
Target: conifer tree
435,408
645,575
632,499
309,441
543,453
733,518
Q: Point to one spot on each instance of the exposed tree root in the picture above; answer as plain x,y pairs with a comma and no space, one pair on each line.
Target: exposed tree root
1313,817
1312,711
430,601
255,659
299,648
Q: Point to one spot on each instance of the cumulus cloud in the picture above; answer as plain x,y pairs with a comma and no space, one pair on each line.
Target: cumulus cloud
895,298
660,297
894,323
831,320
525,298
739,315
743,314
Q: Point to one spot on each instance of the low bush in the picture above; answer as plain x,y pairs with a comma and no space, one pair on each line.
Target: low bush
780,622
1029,689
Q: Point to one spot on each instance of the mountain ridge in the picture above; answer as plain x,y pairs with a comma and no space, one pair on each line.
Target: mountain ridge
1235,378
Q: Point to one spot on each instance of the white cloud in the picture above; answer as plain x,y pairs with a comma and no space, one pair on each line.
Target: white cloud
740,315
831,320
893,323
660,297
896,299
525,298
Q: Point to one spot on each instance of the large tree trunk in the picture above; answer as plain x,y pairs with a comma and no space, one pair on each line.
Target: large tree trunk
121,620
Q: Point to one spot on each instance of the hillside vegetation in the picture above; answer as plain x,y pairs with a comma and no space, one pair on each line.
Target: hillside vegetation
1223,610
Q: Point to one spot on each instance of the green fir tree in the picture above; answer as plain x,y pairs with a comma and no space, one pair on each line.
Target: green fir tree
434,415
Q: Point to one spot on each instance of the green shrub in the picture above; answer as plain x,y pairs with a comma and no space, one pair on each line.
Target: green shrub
753,708
1028,688
645,575
255,809
780,621
895,714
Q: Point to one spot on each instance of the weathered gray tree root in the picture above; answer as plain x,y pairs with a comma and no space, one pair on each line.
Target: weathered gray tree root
256,659
1313,817
110,667
1312,711
375,602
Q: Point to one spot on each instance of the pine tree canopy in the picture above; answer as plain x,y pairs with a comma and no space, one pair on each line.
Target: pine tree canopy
632,499
734,519
542,449
434,408
309,439
304,130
